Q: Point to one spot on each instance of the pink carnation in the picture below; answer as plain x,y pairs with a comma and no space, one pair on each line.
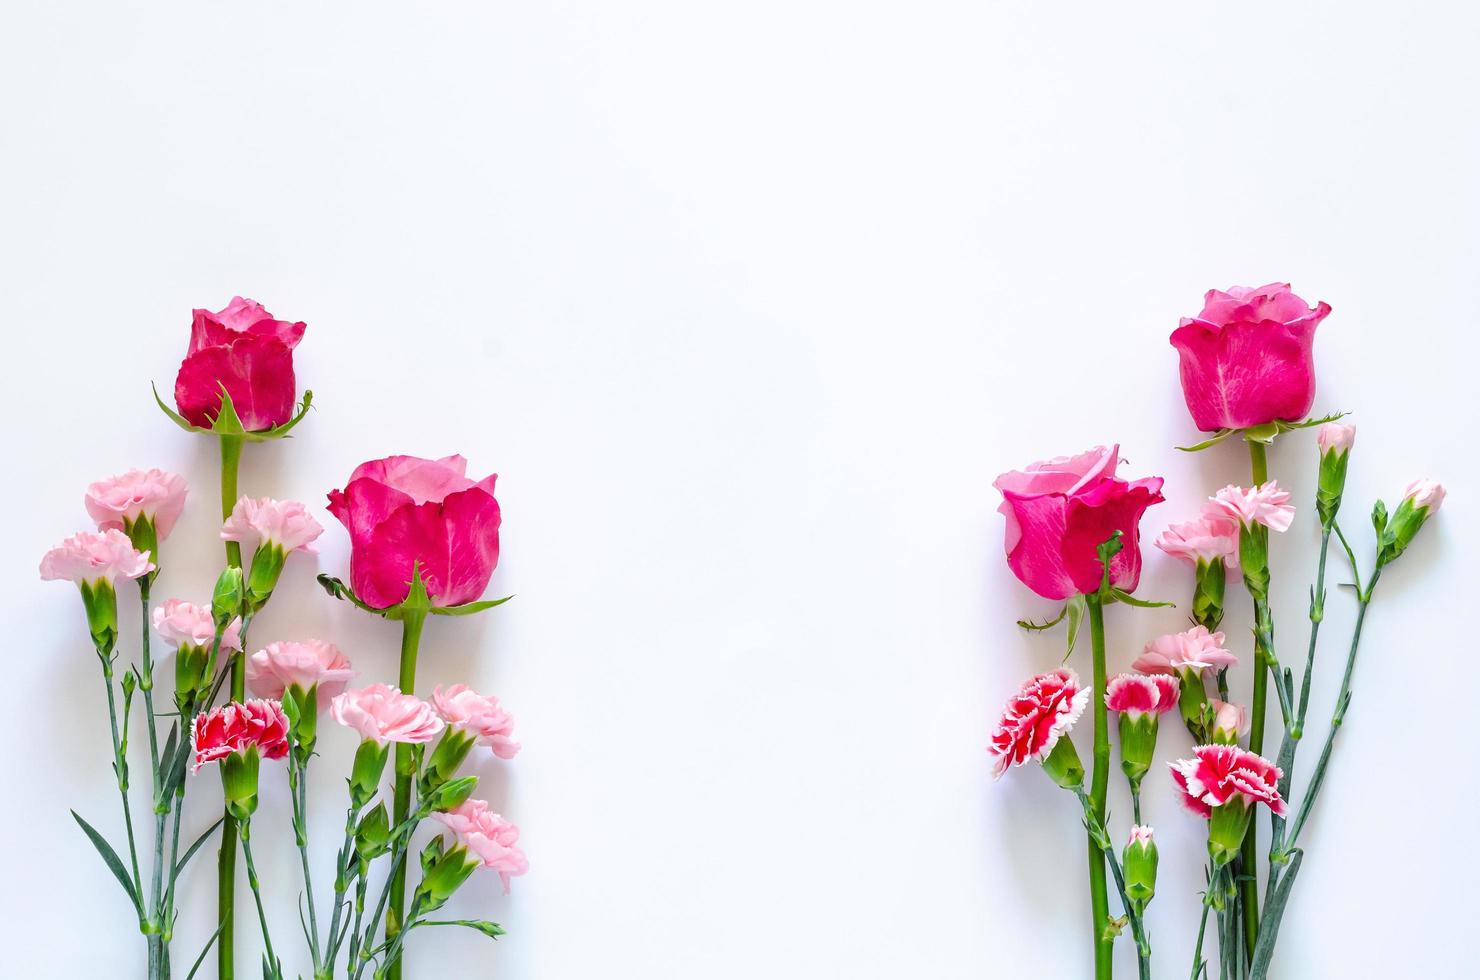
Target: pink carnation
1265,504
1141,835
383,713
1042,711
1218,773
1229,720
1193,650
1335,437
1138,694
286,523
482,717
1205,540
1425,493
278,666
95,556
181,623
489,838
236,727
123,499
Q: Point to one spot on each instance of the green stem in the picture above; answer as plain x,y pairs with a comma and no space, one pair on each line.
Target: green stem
1249,885
341,885
298,790
392,965
1202,923
120,772
1099,788
244,831
231,454
410,644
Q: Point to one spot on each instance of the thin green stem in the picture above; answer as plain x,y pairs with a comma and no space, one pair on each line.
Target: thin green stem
410,644
1202,923
1101,838
298,790
231,454
120,772
1099,789
393,953
244,831
341,885
1263,664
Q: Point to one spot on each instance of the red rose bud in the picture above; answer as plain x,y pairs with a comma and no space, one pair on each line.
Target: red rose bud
1420,500
1141,700
248,353
1139,862
1335,442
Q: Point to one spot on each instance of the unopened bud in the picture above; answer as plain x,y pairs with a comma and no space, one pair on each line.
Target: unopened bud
1420,500
226,600
1139,860
1335,442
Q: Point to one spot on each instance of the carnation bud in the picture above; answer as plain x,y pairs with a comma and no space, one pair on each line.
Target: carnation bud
372,837
1226,722
226,601
369,766
431,854
449,754
1335,441
101,603
1139,860
1226,829
142,533
190,671
239,780
446,876
302,709
1193,702
1207,597
267,565
1062,764
451,795
1421,499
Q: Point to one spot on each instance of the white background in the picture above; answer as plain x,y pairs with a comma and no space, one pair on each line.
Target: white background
748,304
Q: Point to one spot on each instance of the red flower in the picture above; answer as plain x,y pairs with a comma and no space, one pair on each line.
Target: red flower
1136,694
243,349
1036,717
238,726
1219,773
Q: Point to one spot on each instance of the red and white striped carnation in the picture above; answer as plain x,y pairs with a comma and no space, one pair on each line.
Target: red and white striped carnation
1042,711
236,727
1139,694
1218,773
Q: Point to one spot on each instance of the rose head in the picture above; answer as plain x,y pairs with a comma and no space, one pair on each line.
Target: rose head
402,512
305,663
119,501
236,727
1265,504
489,838
1248,358
243,349
181,623
1036,717
1192,651
1058,514
481,717
383,714
1139,694
1219,773
1205,540
93,557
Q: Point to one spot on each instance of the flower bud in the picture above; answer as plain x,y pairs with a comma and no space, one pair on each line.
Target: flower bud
267,566
101,602
1335,442
1226,722
1207,596
1063,766
446,876
1139,860
369,766
451,795
239,780
302,709
190,671
226,601
431,854
449,754
1421,499
372,837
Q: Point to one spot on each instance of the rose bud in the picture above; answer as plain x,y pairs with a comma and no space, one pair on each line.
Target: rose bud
243,350
280,528
1058,514
1188,656
1223,783
1034,724
1247,359
1141,700
1335,442
1211,545
94,561
1420,500
144,504
1139,860
404,513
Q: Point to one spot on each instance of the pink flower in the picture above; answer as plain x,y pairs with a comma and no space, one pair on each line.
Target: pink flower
278,666
1141,835
1229,721
236,727
1042,711
1138,694
1191,651
1060,511
181,623
1265,504
93,557
249,353
1206,540
383,713
1425,493
285,523
482,717
1218,773
119,501
1248,358
1335,437
403,510
489,838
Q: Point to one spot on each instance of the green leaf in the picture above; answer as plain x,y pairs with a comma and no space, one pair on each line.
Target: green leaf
110,858
1121,596
168,755
336,588
1047,624
199,841
1076,609
468,608
206,949
1216,438
490,929
175,416
1310,423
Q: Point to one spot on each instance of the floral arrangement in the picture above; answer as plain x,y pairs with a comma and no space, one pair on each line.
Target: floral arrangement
425,542
1073,535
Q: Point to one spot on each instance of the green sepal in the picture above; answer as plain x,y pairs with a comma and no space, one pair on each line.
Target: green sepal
100,601
368,768
1063,766
431,854
1226,829
1137,744
1208,594
450,795
468,608
227,597
1139,860
142,534
451,751
373,835
302,709
228,423
1073,611
1119,595
445,877
1208,443
239,775
418,601
1193,703
267,567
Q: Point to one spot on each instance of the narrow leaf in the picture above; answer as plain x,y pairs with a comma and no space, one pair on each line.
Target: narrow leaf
490,929
110,858
1130,600
468,608
1217,437
1047,624
199,841
207,948
175,416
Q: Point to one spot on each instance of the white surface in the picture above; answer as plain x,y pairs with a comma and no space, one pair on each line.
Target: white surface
748,304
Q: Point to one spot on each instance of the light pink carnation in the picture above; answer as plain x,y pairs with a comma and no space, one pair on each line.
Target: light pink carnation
1335,437
286,523
489,838
124,498
1265,504
1141,835
1036,717
383,713
1218,773
95,556
181,623
1425,493
1193,650
1229,720
278,666
1138,694
1207,539
482,717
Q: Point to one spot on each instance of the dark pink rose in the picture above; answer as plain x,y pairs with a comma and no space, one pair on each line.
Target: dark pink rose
1247,359
1060,511
243,348
402,510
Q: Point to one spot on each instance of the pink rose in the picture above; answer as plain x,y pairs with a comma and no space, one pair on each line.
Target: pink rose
249,353
1042,711
285,523
482,717
1248,358
1219,773
1060,511
236,727
489,838
1335,437
181,623
93,557
1425,493
305,663
1193,651
403,510
119,501
1265,504
1205,540
1138,694
383,713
